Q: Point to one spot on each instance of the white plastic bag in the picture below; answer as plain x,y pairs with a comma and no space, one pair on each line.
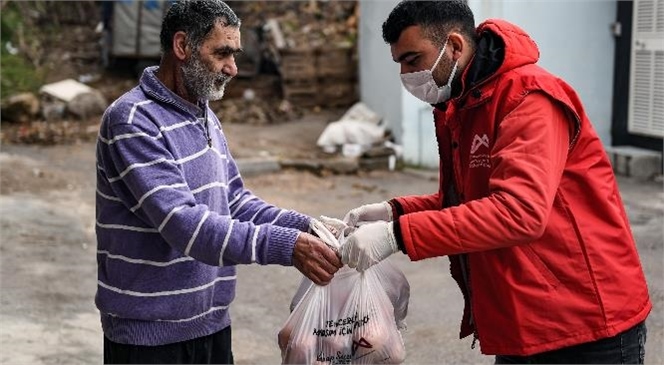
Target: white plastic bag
391,278
349,321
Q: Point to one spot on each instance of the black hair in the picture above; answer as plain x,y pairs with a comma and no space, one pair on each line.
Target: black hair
196,18
437,19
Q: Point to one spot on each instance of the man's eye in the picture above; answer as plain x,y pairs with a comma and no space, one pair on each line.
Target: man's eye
412,61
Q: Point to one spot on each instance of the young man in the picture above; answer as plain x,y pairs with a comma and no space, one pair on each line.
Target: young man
528,209
173,215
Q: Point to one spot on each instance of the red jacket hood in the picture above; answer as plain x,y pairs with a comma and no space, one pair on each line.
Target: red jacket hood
520,49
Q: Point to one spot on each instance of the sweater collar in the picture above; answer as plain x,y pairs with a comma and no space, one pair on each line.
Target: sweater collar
152,86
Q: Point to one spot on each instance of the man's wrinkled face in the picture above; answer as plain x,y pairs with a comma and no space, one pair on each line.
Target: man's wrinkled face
207,70
201,81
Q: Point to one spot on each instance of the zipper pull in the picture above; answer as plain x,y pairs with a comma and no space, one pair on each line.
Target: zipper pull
206,126
472,345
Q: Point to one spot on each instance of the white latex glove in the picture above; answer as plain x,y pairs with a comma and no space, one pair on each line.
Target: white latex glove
336,226
368,245
369,213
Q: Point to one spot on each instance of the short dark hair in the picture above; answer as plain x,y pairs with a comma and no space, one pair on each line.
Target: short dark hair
196,18
437,19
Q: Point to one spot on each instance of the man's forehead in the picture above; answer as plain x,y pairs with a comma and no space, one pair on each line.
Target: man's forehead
227,35
411,40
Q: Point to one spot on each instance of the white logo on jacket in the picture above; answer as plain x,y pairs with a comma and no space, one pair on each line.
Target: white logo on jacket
479,159
479,142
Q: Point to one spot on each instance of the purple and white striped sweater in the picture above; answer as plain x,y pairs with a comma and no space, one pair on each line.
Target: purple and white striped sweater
173,218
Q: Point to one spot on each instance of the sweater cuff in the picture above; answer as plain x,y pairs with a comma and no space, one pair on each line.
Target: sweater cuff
293,219
280,245
396,227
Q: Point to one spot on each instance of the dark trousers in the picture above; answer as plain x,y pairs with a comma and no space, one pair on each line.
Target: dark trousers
625,348
211,349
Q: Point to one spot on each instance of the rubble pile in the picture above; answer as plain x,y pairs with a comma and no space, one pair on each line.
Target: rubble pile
309,24
50,133
312,45
59,37
299,55
254,111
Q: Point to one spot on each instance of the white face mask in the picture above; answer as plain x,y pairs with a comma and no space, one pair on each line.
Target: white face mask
423,86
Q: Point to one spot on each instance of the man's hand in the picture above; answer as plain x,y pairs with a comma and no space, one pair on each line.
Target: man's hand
369,213
369,245
315,259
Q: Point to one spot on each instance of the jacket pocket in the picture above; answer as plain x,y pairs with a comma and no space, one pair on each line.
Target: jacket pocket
541,267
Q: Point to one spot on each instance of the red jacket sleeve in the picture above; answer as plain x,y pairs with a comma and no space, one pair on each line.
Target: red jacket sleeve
527,161
417,203
414,203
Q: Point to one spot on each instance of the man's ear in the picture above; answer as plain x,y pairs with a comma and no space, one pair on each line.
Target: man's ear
180,47
457,44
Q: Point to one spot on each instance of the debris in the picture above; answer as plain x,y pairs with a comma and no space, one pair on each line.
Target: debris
11,49
257,111
65,90
361,112
50,133
69,95
273,28
87,105
20,108
359,126
351,150
88,78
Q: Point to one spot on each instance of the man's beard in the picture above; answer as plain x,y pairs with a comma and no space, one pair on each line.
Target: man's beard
200,82
442,75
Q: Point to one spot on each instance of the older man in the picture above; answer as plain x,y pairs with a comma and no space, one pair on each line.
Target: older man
173,215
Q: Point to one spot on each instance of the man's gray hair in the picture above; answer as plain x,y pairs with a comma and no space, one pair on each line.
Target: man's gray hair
196,18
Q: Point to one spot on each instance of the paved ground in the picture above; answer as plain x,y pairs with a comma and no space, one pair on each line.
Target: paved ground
48,268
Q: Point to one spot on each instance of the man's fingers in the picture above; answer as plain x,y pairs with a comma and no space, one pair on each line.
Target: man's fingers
330,257
313,271
317,280
319,262
319,276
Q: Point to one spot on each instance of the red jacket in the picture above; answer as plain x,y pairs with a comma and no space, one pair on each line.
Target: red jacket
540,232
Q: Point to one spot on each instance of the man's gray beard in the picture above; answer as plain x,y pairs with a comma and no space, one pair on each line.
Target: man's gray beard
201,83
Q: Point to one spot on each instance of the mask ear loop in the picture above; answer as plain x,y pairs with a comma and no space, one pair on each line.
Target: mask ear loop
442,52
454,69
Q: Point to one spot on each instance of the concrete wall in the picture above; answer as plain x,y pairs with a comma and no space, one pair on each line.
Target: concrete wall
380,86
575,44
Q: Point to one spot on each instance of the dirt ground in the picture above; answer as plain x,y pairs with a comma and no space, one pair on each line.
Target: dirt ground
48,260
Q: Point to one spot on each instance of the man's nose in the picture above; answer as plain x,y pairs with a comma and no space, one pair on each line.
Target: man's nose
230,68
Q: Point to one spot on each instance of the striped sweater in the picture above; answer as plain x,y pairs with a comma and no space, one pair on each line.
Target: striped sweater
173,220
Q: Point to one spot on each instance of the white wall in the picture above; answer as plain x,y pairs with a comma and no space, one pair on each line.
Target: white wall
575,44
379,76
409,119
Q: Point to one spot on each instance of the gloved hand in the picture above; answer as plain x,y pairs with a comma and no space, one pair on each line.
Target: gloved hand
368,245
369,213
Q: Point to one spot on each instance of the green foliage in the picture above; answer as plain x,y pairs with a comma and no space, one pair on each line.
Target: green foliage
17,74
10,20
